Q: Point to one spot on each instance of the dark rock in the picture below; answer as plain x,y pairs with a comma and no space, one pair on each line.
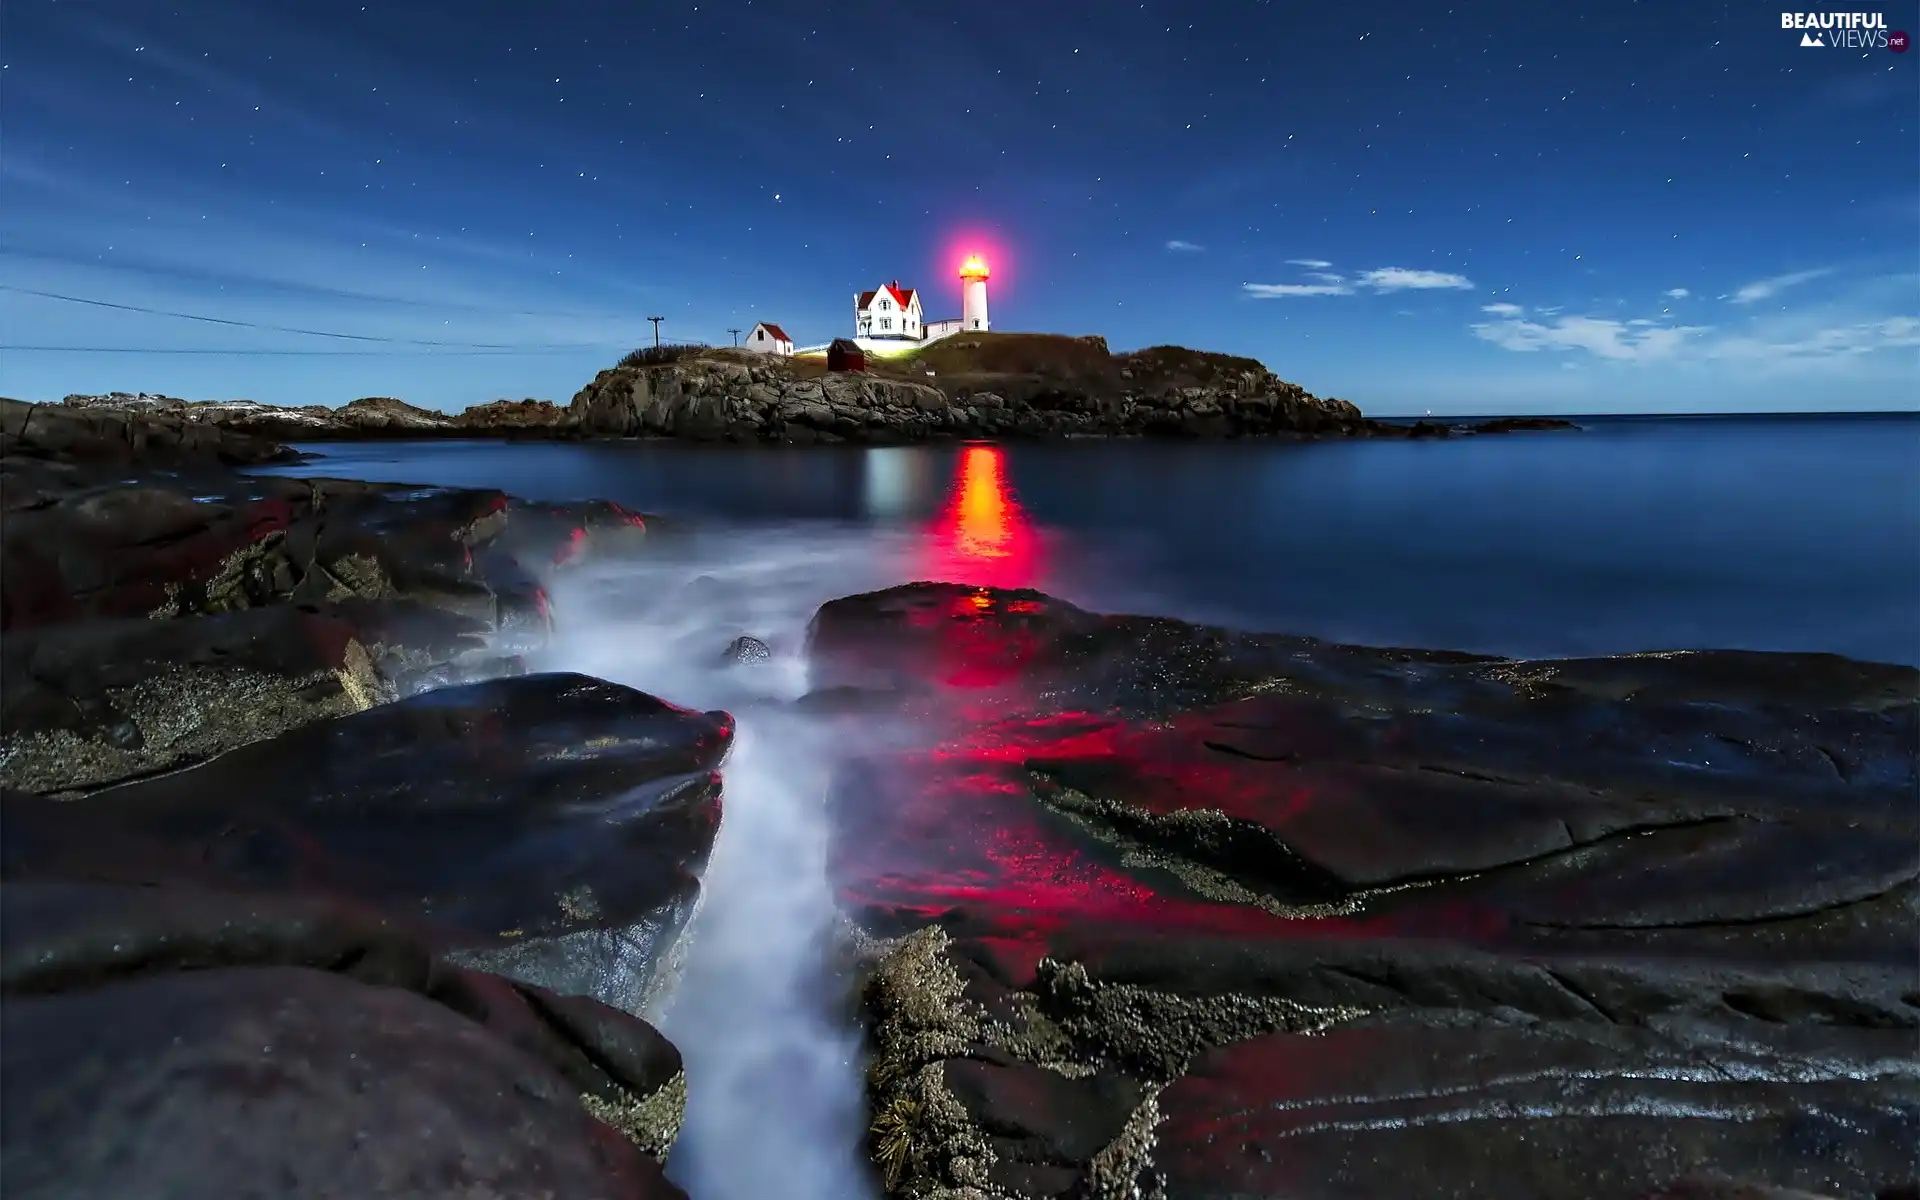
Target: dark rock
990,385
154,619
1041,1116
1520,425
278,939
368,418
91,703
169,548
173,1043
1703,1188
998,385
1143,850
553,536
1573,1109
744,649
112,436
548,827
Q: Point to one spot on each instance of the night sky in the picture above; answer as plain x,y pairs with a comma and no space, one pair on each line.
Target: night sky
1588,207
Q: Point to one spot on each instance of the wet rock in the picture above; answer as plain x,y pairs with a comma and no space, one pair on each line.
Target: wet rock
170,1042
545,540
744,650
182,547
91,703
1044,1126
1336,909
1698,1188
153,619
1572,1109
550,828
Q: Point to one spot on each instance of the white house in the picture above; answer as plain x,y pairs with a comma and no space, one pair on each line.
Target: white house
768,339
888,312
887,320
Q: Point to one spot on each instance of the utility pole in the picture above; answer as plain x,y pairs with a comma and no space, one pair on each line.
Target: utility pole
656,330
736,336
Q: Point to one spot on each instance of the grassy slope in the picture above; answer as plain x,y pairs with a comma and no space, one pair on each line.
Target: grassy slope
1025,363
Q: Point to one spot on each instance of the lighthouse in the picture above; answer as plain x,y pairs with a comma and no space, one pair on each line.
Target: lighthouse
973,294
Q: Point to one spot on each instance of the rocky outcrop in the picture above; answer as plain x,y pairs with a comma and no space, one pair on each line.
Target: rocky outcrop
110,435
309,888
1005,386
365,419
726,399
1522,425
152,620
1172,910
716,400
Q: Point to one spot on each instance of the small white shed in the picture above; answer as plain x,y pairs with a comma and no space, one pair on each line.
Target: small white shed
768,339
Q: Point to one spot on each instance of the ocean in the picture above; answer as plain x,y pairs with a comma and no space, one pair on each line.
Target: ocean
1764,533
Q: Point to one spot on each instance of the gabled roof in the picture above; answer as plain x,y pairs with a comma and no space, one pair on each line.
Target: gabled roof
901,296
778,333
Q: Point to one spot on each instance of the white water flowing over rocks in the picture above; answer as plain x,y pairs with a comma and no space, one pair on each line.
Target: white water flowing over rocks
775,1077
775,1101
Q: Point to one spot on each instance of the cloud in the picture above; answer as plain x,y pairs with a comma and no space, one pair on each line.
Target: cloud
1822,338
1676,293
1766,289
1601,337
1274,291
1395,279
1830,342
1380,280
1178,246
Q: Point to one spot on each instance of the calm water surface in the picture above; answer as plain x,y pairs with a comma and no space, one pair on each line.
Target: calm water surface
1633,534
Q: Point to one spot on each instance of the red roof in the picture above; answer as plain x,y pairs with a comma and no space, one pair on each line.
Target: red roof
901,296
778,333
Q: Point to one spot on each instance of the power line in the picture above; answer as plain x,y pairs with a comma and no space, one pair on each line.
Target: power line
137,265
352,337
436,353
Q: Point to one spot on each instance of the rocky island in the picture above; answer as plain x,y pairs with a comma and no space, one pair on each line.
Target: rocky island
312,886
990,385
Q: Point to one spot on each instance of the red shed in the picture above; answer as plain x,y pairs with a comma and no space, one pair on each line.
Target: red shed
845,355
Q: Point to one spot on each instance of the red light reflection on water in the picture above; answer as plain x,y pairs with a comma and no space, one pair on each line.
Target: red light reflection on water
983,536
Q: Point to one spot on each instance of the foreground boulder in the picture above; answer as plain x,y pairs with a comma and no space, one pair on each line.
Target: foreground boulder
550,828
1210,914
173,1042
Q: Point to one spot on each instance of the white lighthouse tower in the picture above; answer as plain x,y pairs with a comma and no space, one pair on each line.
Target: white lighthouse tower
973,295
